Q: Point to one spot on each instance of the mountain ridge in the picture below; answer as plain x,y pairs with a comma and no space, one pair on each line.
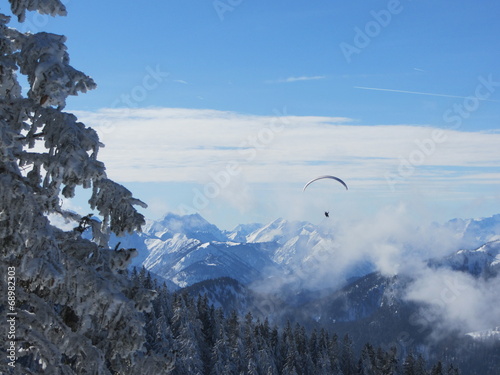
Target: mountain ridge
187,249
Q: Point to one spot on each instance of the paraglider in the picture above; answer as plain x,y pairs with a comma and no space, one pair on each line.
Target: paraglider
327,214
325,176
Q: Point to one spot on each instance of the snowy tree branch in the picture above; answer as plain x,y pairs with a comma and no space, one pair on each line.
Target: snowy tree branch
52,7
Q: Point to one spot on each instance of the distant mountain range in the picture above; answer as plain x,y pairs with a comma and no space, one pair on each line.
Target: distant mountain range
484,261
188,249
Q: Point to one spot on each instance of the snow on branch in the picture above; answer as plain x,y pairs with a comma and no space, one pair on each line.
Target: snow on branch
44,60
52,7
116,204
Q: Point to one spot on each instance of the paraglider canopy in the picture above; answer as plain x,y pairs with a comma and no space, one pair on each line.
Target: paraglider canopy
327,214
325,176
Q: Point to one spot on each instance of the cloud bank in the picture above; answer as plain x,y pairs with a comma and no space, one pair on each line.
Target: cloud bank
175,144
454,301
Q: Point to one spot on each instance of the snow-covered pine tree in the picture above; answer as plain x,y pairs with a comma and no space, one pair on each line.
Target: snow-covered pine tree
367,362
291,355
76,311
333,348
219,359
187,331
437,369
347,362
235,344
409,364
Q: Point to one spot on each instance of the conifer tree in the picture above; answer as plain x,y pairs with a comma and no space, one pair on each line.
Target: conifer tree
163,338
420,365
276,348
313,345
452,370
220,357
437,369
334,355
388,363
290,353
76,309
347,363
409,365
236,348
367,363
251,351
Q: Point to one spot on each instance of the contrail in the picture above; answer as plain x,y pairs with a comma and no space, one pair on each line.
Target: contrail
424,93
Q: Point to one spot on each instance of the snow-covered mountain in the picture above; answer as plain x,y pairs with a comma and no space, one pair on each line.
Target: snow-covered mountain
176,230
483,261
475,232
486,335
191,226
188,249
280,231
186,261
241,231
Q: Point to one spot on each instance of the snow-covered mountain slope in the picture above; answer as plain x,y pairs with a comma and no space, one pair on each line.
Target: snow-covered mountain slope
188,249
296,240
475,232
486,335
280,231
186,261
484,261
304,249
192,226
241,231
358,300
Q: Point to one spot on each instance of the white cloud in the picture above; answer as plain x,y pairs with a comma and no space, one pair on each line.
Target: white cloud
455,301
396,239
175,144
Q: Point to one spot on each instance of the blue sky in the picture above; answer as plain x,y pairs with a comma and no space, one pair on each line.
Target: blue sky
272,94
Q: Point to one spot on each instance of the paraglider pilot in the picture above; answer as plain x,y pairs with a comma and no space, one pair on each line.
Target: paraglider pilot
327,214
